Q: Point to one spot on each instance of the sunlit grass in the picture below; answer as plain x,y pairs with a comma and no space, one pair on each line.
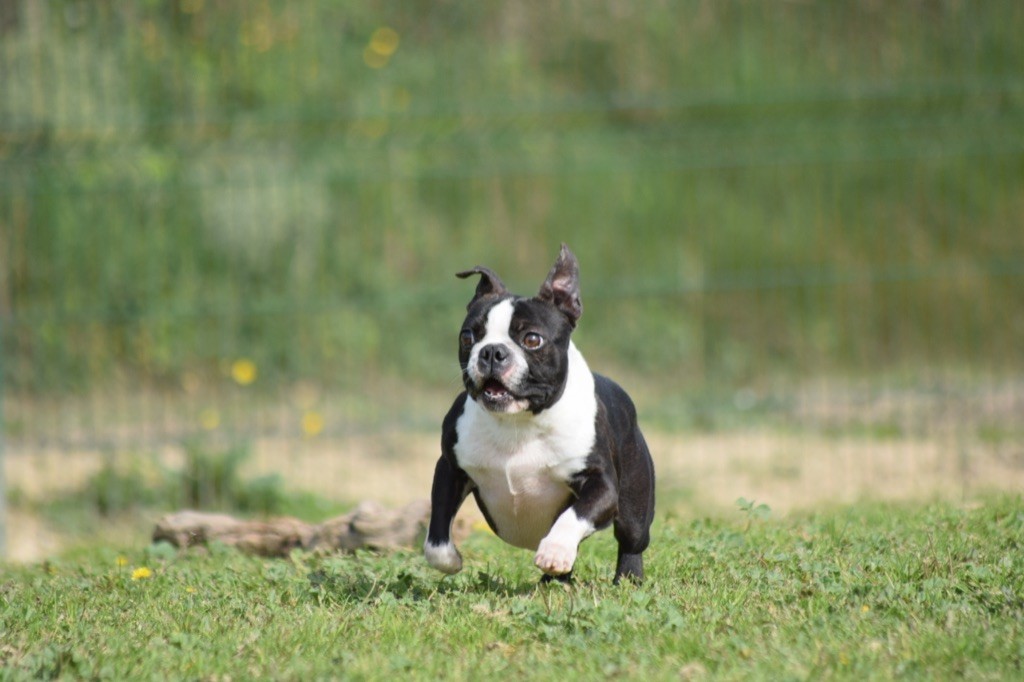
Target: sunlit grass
870,591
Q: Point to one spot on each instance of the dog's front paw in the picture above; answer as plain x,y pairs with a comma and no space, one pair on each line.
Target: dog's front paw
555,557
443,557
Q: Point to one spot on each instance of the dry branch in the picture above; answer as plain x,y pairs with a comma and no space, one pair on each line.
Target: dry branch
369,526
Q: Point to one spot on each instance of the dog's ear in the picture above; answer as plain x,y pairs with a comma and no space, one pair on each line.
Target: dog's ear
490,284
562,287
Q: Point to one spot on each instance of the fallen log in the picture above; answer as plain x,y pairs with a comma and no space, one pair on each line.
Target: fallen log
368,526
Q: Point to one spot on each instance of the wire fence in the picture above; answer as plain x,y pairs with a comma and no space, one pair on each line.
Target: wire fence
230,226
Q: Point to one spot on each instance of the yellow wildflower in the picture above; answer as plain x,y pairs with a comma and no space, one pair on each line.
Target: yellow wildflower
384,41
141,573
383,44
312,423
243,371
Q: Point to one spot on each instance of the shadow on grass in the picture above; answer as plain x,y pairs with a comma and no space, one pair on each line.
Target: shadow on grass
384,582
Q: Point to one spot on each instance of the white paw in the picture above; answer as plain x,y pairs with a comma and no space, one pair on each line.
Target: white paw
555,557
444,558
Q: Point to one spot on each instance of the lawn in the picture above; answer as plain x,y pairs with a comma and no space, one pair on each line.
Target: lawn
870,591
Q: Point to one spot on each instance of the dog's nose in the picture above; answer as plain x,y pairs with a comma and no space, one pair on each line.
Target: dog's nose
493,359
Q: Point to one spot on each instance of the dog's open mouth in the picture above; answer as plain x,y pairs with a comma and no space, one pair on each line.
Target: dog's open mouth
495,396
495,391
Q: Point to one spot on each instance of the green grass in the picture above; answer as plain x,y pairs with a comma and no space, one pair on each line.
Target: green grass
868,592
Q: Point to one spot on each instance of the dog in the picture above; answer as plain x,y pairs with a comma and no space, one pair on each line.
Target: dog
550,451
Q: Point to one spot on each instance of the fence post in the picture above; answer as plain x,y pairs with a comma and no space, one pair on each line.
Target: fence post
3,458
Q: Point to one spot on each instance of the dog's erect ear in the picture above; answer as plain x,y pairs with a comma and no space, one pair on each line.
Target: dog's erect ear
562,287
490,284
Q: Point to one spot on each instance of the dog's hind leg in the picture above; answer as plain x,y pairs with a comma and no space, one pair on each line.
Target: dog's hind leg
630,567
633,536
635,515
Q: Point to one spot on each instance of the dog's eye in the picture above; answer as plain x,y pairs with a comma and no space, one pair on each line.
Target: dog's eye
466,338
533,341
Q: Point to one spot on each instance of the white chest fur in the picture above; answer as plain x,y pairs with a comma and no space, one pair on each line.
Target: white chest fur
521,463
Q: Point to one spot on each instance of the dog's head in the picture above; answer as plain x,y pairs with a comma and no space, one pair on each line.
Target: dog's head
514,350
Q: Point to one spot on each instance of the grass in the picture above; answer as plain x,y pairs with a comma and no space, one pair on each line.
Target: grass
872,591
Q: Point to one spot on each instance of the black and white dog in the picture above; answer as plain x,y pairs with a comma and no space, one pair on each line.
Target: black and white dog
550,451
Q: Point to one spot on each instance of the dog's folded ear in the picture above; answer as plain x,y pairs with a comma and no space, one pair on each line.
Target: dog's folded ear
490,284
562,287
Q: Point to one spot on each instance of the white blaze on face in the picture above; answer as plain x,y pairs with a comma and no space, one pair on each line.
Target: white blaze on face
499,319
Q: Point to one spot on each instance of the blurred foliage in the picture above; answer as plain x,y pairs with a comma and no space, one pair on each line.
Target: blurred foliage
212,480
208,479
751,187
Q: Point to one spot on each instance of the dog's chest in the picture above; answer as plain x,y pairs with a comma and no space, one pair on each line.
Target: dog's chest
522,469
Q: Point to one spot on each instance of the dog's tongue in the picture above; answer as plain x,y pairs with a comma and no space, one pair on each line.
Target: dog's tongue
494,387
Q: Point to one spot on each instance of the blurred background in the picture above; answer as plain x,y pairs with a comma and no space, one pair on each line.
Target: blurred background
228,233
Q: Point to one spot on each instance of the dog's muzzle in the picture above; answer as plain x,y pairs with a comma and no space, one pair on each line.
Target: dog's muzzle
493,377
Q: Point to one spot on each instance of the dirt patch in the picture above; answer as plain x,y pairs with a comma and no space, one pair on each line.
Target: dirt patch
790,472
696,472
29,538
